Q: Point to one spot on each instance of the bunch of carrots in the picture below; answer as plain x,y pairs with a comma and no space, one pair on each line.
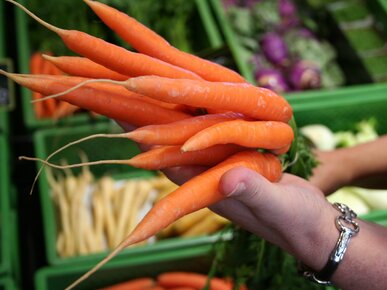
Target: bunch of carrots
50,108
190,111
180,280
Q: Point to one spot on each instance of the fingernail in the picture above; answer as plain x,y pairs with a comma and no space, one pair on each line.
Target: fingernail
239,188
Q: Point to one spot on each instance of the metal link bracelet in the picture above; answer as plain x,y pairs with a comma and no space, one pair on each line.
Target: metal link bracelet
348,228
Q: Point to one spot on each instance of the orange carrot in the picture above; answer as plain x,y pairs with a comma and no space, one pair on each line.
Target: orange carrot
171,156
50,104
178,132
84,67
191,197
109,88
252,134
112,56
256,102
150,43
64,109
183,288
134,284
36,62
281,150
194,280
122,108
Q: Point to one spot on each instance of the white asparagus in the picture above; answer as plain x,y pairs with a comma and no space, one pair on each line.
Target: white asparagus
127,195
106,188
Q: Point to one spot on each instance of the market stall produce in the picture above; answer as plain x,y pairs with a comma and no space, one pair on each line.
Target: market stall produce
262,98
194,31
279,47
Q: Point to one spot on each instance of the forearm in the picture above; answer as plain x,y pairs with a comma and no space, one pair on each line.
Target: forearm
365,262
364,165
367,164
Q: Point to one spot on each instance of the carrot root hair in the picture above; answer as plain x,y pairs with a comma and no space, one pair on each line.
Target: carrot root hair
77,87
111,255
73,165
120,135
41,21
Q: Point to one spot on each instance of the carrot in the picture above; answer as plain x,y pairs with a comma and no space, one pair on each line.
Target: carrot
36,62
84,67
150,43
64,109
191,197
112,56
281,150
252,101
183,288
252,134
134,284
194,280
109,88
118,107
171,156
50,104
178,132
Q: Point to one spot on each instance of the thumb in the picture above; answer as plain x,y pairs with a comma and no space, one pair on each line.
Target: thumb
247,186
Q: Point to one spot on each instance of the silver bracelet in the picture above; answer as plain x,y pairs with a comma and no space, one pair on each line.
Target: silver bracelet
348,228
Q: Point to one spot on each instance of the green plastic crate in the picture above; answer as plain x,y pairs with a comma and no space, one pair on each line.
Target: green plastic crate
9,241
341,109
6,237
195,259
365,39
6,283
340,95
349,11
232,41
3,112
207,35
379,10
50,139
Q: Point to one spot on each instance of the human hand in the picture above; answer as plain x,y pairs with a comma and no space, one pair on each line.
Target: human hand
332,172
292,213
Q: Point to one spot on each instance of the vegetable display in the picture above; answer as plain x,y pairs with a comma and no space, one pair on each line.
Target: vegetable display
94,215
283,50
174,281
187,91
50,108
184,16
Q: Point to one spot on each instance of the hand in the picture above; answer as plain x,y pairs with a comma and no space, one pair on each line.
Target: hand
332,171
292,213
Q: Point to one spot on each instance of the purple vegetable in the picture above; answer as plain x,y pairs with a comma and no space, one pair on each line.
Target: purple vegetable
274,48
272,79
250,3
305,33
288,12
287,8
229,3
304,75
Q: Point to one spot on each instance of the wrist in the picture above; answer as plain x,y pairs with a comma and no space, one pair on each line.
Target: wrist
318,241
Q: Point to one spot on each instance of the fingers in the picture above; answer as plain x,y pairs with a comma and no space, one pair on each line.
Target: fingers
247,186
